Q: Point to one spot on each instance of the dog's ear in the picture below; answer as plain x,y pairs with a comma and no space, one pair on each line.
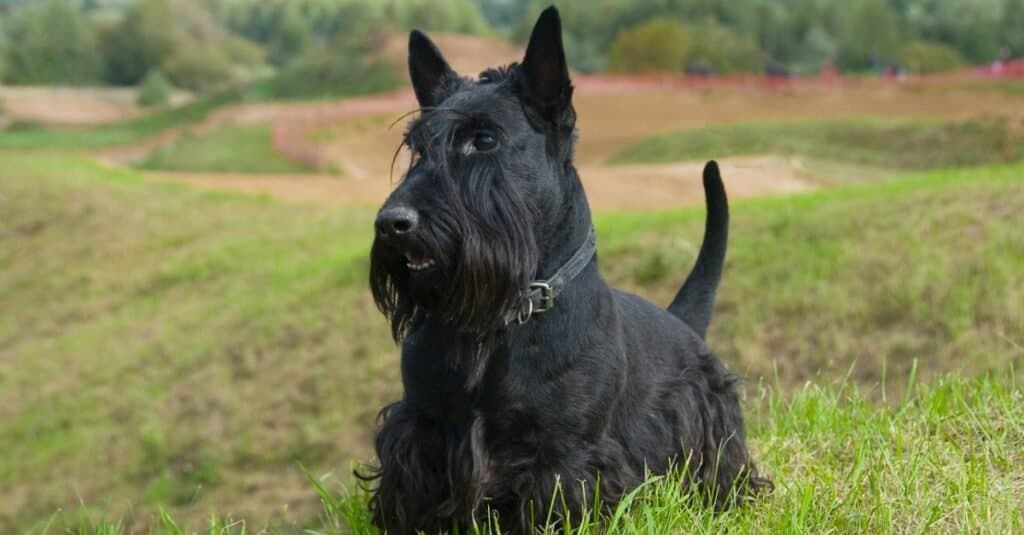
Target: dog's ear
427,69
547,90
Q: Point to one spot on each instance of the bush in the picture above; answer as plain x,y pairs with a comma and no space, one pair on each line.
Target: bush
144,38
723,50
658,45
51,43
924,57
341,70
199,67
181,38
155,90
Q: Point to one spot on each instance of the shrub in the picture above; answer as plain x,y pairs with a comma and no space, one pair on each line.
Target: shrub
723,50
343,69
924,57
155,89
51,43
658,45
199,67
144,38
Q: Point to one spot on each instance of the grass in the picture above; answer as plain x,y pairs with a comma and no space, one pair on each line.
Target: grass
239,149
306,84
27,136
944,458
167,349
905,144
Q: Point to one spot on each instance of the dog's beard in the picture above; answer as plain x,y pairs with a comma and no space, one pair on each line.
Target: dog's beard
481,240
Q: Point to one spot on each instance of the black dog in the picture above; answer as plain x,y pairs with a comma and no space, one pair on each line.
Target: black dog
523,370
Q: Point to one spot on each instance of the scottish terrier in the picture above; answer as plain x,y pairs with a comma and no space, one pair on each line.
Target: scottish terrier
529,383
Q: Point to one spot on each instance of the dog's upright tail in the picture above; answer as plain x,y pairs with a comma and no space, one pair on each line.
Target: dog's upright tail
696,299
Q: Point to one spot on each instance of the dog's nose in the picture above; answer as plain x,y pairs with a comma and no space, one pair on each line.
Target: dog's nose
396,221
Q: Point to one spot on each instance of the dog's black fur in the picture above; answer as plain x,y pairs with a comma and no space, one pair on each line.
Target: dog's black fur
590,396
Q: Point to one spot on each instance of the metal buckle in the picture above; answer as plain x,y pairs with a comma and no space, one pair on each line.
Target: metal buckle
547,296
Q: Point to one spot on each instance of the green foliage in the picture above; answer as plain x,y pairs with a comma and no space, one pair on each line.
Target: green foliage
35,137
49,43
723,50
144,39
238,149
925,57
267,21
291,38
869,34
155,90
199,67
854,34
462,16
341,70
179,37
658,45
818,49
906,144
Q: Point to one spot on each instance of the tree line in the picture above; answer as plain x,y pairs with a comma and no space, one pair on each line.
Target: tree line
800,36
202,44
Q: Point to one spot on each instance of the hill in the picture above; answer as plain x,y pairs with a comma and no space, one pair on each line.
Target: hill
163,347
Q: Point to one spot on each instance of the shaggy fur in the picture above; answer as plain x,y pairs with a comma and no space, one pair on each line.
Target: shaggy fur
590,396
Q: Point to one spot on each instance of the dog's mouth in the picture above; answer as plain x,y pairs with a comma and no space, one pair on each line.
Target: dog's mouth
418,262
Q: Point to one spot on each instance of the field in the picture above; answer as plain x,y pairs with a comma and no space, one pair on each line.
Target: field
180,355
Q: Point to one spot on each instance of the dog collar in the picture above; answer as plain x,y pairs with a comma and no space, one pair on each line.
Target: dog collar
540,294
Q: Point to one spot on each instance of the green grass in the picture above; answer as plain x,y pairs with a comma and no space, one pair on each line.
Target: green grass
906,144
944,458
307,83
122,133
240,149
163,348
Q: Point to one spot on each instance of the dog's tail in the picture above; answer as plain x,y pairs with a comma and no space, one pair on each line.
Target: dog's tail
696,299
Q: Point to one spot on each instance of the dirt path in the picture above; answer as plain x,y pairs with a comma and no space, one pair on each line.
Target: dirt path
615,187
355,136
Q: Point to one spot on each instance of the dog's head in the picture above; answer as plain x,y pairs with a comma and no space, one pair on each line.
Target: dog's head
458,238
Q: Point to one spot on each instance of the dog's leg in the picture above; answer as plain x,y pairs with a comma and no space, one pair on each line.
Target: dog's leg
412,479
714,443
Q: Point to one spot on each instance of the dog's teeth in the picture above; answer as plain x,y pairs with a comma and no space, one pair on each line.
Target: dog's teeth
419,266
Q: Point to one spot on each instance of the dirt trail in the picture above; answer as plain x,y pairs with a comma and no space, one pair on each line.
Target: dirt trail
354,135
608,187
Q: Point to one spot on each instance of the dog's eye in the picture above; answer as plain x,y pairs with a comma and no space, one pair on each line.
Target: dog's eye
483,142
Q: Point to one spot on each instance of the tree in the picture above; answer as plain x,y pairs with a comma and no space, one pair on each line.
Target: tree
723,50
199,67
869,34
658,45
155,90
817,50
51,43
144,39
1013,26
924,57
290,38
181,38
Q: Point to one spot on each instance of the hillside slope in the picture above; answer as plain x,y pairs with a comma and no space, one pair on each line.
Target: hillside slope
161,346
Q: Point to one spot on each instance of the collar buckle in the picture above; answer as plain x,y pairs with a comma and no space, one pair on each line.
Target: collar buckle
545,296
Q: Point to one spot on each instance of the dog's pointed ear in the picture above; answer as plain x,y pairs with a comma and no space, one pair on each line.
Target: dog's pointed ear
427,69
547,89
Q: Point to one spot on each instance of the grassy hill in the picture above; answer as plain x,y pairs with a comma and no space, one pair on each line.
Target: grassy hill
903,144
166,348
239,149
